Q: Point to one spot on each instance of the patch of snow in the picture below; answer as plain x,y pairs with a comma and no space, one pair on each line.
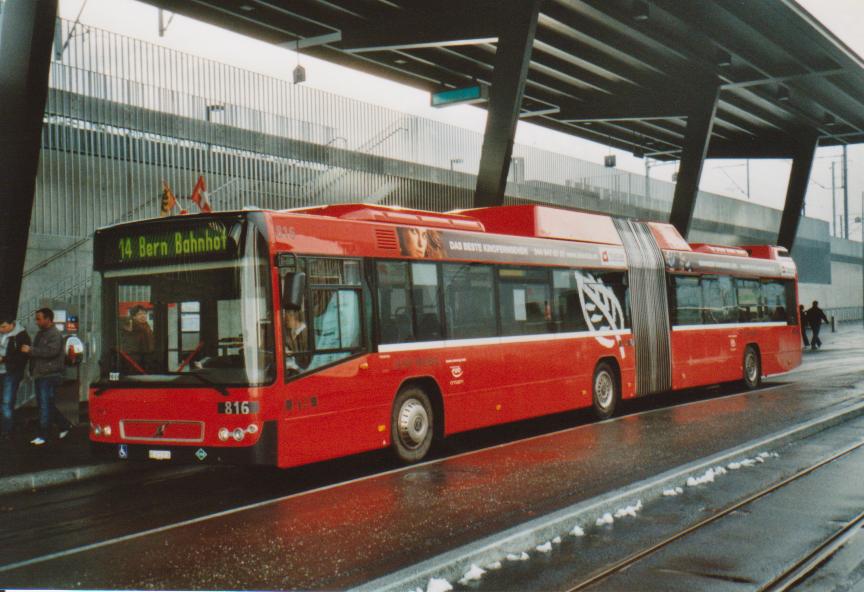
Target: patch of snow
514,557
629,510
707,477
557,540
734,466
472,575
605,519
496,565
545,547
438,585
673,491
577,531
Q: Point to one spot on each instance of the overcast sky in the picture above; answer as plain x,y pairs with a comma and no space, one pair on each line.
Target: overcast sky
845,18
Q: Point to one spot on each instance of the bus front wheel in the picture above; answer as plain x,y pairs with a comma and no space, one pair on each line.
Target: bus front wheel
606,391
752,368
412,425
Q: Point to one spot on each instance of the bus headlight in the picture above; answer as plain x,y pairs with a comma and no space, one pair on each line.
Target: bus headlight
224,434
106,430
252,429
239,434
97,430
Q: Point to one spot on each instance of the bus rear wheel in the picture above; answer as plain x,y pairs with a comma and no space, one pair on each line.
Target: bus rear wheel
412,425
752,368
605,391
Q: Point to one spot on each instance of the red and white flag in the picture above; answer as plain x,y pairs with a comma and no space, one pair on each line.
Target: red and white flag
199,195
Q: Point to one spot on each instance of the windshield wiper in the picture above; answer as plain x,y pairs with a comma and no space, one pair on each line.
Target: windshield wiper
219,387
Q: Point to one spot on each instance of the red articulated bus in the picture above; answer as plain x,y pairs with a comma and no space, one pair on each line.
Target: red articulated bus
289,337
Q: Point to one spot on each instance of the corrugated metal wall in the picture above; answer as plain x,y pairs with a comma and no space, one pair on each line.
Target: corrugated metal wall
123,114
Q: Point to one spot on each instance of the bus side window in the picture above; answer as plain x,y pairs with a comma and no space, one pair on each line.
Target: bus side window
749,296
424,301
470,297
774,293
394,302
718,300
687,304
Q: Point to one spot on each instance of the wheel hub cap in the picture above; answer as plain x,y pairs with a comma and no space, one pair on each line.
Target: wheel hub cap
413,423
605,390
752,367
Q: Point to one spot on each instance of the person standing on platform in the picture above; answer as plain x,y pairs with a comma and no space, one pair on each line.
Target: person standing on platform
47,361
802,318
12,364
815,316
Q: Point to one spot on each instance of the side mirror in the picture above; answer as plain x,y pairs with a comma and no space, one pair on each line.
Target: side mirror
293,289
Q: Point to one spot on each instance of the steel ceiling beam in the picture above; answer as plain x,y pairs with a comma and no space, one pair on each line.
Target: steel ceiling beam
25,54
512,59
696,139
444,24
799,178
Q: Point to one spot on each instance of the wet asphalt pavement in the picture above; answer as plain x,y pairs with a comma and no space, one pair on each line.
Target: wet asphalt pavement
343,535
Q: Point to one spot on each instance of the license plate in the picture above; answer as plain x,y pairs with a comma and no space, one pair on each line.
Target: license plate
159,454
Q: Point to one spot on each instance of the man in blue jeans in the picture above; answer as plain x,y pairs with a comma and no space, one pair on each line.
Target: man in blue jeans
12,363
47,361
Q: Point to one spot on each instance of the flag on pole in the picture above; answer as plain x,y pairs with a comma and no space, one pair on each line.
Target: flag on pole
199,195
168,200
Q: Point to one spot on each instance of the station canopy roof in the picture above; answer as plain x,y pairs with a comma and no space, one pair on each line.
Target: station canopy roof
624,73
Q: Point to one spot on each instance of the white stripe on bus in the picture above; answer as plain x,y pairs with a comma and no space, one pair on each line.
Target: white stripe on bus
729,326
421,345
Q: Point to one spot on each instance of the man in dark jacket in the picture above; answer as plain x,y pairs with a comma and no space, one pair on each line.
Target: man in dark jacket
12,364
802,318
815,316
47,360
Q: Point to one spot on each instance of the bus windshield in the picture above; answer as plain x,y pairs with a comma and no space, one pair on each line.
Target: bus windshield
192,322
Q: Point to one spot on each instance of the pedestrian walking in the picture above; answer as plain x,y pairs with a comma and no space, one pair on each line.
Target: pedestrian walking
815,317
13,362
802,319
47,360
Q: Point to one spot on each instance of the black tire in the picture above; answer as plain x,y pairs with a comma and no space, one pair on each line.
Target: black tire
412,425
605,391
752,366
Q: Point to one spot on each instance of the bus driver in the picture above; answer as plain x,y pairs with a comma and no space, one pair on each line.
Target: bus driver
295,339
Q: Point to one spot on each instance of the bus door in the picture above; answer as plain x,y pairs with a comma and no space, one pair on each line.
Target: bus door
649,307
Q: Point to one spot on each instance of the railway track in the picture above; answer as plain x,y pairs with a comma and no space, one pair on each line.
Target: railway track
786,580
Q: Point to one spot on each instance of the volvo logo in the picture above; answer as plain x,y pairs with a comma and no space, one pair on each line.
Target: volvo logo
160,431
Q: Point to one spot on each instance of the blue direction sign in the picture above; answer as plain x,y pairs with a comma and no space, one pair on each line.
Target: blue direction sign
477,93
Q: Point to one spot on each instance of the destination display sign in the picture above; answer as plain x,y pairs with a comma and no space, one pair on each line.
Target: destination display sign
152,244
